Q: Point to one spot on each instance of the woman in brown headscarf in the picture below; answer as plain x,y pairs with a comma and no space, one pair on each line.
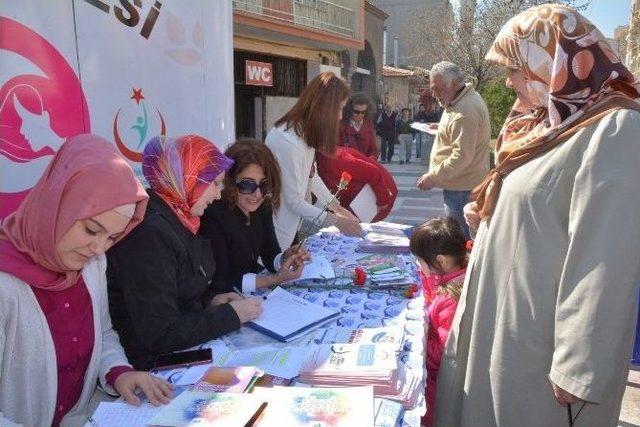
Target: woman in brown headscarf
545,319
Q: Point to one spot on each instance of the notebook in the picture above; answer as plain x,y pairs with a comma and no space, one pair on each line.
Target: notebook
286,316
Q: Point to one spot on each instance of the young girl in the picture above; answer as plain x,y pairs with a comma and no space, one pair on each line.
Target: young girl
441,248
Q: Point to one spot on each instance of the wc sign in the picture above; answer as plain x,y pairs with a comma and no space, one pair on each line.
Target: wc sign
258,73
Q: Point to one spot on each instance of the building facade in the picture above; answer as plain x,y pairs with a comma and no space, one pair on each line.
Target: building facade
279,45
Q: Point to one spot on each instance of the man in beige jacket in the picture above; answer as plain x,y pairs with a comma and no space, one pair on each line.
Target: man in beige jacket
460,154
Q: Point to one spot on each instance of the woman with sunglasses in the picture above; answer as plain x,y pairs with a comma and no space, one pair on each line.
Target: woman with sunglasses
356,127
162,295
240,224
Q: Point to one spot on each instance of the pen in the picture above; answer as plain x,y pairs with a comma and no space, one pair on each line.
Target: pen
237,291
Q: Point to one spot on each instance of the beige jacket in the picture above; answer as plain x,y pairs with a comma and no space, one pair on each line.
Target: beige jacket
460,154
551,291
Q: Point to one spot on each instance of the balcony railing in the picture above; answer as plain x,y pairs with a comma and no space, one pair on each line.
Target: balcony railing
317,14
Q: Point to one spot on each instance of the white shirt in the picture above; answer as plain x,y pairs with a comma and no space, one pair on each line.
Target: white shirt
296,159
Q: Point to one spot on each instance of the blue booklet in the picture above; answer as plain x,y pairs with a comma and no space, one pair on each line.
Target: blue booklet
286,317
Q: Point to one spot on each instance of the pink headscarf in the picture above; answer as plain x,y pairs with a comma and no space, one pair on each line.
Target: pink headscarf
85,178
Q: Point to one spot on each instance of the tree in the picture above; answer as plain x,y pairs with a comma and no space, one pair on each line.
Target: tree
464,37
499,100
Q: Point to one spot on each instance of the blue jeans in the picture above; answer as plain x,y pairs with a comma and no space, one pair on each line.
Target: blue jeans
454,202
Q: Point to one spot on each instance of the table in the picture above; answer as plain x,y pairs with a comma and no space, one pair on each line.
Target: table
360,308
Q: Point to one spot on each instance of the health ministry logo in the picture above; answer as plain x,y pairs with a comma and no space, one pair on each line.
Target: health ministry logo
138,128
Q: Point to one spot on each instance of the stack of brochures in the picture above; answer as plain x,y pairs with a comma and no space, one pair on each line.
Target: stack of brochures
391,228
287,317
392,336
383,243
362,364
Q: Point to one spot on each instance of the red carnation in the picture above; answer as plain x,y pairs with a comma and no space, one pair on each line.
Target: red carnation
346,177
409,293
468,245
360,276
413,287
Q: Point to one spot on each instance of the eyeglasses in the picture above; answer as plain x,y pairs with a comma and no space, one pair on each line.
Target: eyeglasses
357,112
249,186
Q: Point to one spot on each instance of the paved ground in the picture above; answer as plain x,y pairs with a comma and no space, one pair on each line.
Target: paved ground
414,206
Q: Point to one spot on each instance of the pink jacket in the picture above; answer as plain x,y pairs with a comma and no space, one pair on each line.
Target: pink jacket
441,308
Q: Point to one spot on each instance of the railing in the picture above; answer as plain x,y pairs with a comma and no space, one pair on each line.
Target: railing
317,14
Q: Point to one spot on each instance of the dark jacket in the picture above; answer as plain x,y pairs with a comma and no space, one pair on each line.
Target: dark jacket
404,128
386,125
237,244
160,283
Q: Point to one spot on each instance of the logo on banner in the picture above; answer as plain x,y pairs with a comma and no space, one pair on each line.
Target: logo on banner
258,73
40,107
138,128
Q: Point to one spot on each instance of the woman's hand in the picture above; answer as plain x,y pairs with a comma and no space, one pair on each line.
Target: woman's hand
300,252
247,309
471,216
346,222
564,397
224,298
292,268
157,390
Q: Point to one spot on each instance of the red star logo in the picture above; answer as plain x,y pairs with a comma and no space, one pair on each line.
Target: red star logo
137,95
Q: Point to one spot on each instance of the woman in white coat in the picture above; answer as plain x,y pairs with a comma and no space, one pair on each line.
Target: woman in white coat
312,124
56,338
543,331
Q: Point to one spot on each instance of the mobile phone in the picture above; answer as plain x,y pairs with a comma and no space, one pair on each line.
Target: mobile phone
183,359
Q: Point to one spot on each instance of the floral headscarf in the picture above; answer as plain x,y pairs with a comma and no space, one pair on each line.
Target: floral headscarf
574,79
180,169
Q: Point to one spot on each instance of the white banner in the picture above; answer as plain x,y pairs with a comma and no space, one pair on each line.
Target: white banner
127,70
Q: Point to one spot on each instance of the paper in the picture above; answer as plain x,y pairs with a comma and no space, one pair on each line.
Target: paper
318,268
280,362
202,408
122,414
327,407
285,314
364,205
424,127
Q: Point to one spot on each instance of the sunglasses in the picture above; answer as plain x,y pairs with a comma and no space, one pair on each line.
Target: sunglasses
249,186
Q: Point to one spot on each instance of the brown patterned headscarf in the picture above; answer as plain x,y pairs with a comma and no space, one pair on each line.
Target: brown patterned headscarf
573,78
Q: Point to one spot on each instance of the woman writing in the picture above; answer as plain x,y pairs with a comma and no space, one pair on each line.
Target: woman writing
545,317
312,124
161,293
240,224
56,338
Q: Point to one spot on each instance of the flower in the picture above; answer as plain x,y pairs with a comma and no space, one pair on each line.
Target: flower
468,245
346,177
360,276
413,287
409,293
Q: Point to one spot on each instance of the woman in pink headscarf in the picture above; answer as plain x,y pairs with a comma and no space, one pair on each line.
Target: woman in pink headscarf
56,337
543,329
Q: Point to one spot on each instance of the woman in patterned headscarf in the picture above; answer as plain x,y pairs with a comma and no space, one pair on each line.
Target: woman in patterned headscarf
544,326
161,293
